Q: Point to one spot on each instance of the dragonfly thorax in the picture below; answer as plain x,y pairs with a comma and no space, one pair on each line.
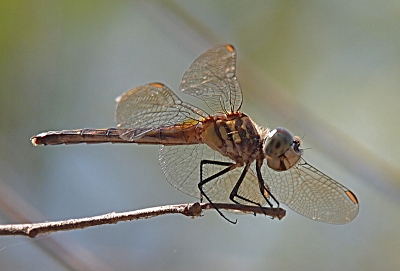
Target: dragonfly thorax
234,135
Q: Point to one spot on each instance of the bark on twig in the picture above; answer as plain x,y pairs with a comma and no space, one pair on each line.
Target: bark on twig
189,209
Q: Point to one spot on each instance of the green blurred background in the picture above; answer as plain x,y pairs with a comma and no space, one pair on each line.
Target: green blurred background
325,70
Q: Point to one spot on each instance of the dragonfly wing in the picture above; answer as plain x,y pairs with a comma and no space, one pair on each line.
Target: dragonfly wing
212,78
149,107
311,193
181,165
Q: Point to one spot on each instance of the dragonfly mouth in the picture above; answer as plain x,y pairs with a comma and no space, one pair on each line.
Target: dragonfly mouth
296,145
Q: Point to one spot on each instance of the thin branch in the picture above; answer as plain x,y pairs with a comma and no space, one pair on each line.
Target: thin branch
189,209
68,253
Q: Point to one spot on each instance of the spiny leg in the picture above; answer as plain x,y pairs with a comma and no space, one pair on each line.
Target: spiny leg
235,189
262,186
230,166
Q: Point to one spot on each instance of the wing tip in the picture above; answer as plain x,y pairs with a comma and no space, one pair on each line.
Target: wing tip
352,196
230,48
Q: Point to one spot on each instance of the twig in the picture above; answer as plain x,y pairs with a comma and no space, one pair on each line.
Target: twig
189,209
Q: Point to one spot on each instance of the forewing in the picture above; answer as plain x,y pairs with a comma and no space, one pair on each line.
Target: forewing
149,107
212,78
181,165
311,193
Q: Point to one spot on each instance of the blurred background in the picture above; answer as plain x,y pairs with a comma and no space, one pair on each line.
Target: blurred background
328,71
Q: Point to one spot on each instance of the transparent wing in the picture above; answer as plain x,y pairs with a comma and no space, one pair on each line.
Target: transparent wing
212,78
311,193
151,107
181,165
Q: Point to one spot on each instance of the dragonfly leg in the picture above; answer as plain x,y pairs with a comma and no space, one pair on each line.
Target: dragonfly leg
263,188
229,167
234,194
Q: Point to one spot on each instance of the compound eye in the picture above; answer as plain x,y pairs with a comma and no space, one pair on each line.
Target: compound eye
278,142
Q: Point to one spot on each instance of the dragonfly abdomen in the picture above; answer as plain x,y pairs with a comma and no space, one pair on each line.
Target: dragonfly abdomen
173,135
89,136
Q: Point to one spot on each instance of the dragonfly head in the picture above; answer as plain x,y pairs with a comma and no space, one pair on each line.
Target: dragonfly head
282,149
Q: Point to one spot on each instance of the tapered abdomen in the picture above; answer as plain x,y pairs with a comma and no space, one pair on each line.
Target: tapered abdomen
174,135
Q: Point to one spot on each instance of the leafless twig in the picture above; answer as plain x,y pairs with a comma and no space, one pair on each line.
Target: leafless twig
189,209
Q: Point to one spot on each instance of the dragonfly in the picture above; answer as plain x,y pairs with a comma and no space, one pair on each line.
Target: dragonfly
222,156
